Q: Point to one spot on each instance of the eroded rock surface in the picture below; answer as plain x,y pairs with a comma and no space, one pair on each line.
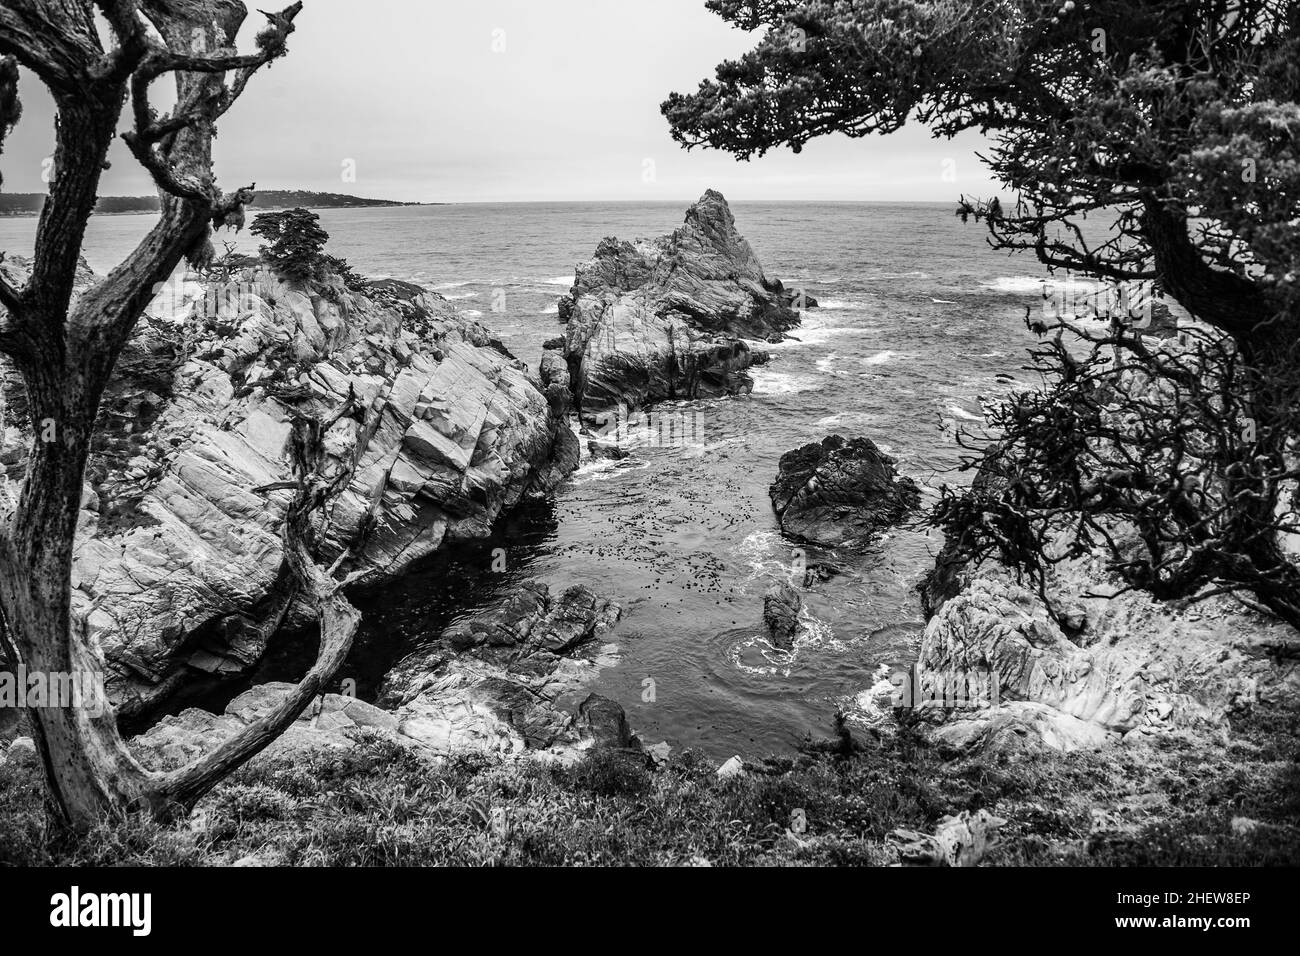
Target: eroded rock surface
179,739
1128,667
509,680
668,318
179,564
781,607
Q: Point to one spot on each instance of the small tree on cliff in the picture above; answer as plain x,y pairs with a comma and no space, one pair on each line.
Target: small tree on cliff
296,242
65,350
296,248
1176,124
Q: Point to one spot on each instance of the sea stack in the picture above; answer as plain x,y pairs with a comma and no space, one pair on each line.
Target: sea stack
671,318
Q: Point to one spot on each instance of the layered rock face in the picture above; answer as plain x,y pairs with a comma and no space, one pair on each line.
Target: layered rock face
179,556
503,682
667,318
840,492
1126,668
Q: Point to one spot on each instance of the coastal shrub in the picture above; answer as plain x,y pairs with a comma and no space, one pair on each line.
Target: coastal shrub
383,804
296,252
1144,452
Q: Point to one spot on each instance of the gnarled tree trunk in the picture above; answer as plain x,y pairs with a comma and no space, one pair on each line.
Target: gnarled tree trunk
65,351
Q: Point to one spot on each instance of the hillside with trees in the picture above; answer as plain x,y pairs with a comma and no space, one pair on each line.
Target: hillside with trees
29,204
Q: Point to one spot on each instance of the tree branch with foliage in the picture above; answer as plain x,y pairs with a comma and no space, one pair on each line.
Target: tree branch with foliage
1141,142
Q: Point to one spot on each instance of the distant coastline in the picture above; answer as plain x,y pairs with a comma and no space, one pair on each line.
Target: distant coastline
29,204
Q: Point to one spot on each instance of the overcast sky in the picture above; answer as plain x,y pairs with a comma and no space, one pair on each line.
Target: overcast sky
414,97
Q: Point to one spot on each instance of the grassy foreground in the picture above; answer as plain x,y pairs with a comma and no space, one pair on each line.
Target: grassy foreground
382,805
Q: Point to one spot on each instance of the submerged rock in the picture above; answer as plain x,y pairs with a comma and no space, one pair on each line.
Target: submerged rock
179,566
840,492
781,607
667,318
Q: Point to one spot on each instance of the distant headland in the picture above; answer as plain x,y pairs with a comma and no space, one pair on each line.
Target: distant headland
29,204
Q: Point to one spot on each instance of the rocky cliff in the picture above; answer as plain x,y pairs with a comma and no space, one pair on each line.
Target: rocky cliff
668,318
1076,669
437,430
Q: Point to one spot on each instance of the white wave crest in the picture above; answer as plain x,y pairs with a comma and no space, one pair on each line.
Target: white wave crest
956,411
1016,284
783,383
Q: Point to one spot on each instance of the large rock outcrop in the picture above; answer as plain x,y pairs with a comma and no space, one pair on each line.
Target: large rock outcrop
668,318
1126,667
179,557
840,492
506,681
1077,668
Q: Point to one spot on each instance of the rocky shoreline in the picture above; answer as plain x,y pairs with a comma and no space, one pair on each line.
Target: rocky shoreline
438,433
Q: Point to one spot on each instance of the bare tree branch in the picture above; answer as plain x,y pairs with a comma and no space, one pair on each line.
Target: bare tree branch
201,101
338,618
131,32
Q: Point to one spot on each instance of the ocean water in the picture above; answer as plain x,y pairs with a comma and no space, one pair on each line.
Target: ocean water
920,322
